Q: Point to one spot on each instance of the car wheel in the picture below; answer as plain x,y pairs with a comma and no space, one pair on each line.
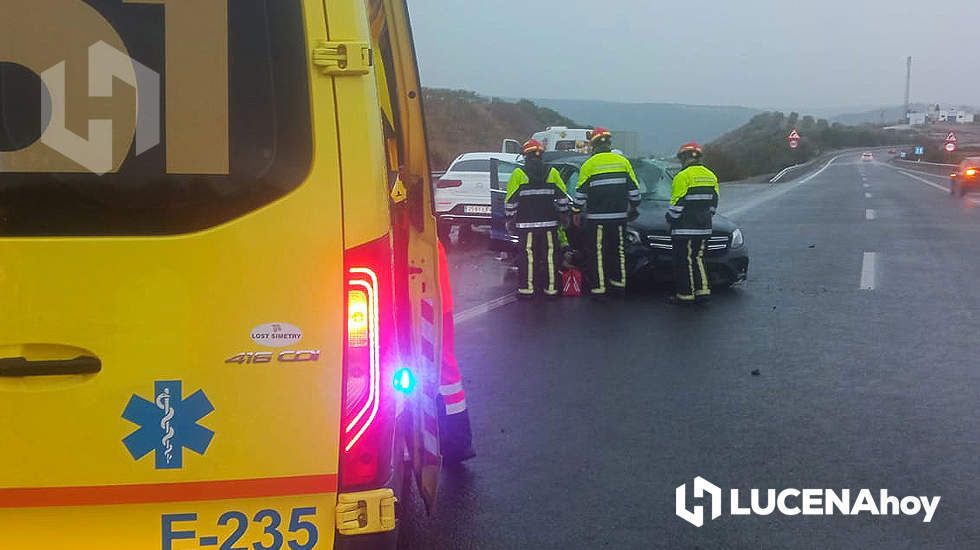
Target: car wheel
952,188
960,192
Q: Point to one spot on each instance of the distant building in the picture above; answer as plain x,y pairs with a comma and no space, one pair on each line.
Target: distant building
955,115
917,119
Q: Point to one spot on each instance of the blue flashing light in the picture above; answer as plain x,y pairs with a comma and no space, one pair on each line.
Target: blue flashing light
404,381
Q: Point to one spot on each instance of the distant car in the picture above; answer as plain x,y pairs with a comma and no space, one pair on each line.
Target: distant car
648,248
462,194
966,178
867,156
892,151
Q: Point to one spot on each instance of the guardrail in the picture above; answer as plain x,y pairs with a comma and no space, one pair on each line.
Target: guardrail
786,170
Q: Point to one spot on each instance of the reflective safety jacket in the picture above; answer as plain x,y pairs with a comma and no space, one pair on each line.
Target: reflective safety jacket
693,202
536,202
607,185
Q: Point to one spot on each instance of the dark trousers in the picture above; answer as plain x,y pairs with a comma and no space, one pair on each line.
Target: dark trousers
607,261
538,266
689,272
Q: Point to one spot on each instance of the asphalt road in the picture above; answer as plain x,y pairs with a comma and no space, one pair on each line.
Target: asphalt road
863,327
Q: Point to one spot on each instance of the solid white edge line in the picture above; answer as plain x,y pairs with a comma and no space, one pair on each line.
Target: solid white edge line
942,188
482,309
869,271
870,214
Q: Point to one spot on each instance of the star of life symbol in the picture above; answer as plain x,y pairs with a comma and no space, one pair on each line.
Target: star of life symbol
168,424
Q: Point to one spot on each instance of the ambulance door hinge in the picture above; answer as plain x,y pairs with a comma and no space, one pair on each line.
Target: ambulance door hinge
346,58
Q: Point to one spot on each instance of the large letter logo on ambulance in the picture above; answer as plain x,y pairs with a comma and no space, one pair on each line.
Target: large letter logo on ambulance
701,487
72,96
105,64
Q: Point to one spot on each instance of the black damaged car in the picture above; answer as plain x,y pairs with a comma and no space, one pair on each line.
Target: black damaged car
648,248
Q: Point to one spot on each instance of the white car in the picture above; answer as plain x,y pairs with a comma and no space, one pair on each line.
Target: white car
462,194
867,156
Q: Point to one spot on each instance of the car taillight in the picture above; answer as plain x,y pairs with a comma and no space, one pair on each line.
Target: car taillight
971,172
367,419
443,184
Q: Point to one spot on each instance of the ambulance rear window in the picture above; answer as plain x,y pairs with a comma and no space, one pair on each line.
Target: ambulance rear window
223,124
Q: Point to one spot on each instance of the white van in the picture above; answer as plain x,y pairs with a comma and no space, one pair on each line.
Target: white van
560,138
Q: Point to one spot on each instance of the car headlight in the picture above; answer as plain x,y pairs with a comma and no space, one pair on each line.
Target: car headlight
738,240
633,237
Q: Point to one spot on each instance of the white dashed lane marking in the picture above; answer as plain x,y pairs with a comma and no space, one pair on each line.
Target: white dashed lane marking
869,275
870,214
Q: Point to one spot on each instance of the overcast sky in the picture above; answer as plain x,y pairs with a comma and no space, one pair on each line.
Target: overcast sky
788,54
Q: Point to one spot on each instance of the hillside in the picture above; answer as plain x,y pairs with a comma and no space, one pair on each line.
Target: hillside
459,121
760,146
661,127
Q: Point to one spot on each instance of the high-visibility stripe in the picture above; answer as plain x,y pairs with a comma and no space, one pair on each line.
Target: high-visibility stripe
450,389
690,264
704,274
610,216
147,493
699,198
430,442
529,248
674,215
536,192
456,408
691,232
551,264
677,208
600,268
537,225
622,257
609,181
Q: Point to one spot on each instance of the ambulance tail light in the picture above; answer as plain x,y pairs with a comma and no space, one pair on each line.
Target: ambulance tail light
367,412
445,184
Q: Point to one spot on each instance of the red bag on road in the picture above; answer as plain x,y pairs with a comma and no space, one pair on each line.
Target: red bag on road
571,282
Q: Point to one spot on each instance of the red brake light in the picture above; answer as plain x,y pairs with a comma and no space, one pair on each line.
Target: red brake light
971,172
367,414
443,184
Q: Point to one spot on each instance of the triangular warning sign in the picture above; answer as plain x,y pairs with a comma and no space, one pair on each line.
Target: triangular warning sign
398,192
794,134
951,138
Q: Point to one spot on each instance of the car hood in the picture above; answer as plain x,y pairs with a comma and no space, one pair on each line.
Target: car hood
652,219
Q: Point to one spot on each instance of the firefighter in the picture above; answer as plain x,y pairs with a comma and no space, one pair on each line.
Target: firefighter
455,434
609,191
537,203
693,202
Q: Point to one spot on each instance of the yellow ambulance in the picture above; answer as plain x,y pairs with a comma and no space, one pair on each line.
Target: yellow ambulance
218,275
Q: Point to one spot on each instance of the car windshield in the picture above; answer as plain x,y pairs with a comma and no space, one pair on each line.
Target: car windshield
655,178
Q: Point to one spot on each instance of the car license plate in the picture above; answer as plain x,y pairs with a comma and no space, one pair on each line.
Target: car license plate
476,209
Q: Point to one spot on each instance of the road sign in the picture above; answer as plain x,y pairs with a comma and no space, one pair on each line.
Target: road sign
950,147
794,135
794,143
920,150
951,138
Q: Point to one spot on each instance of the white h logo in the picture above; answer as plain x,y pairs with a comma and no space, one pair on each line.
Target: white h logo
701,487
